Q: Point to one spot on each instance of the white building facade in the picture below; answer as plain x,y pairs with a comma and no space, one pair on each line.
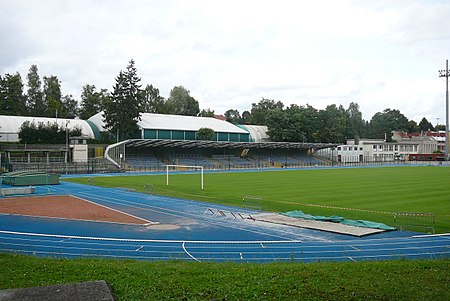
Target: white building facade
376,150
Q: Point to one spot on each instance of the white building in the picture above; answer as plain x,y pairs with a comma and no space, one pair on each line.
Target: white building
371,150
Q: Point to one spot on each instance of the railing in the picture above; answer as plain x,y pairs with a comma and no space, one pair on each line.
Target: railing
91,166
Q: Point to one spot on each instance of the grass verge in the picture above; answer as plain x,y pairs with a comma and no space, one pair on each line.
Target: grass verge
173,280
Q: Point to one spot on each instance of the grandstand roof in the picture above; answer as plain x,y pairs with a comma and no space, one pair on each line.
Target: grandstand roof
176,122
152,143
10,125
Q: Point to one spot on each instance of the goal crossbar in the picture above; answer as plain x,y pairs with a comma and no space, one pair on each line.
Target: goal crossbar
184,166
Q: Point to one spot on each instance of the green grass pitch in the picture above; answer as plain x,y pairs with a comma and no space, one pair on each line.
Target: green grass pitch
355,193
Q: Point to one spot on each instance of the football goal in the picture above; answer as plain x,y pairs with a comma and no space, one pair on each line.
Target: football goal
178,168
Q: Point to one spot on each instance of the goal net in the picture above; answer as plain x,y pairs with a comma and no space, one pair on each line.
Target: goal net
184,168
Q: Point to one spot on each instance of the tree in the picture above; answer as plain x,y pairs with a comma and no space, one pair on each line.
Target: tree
92,102
246,117
12,99
413,127
206,113
260,110
205,134
383,123
233,116
180,102
356,126
277,124
152,102
332,124
298,124
35,101
312,123
425,125
440,127
122,110
52,96
69,107
49,133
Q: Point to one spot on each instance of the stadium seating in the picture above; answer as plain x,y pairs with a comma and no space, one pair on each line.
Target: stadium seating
151,162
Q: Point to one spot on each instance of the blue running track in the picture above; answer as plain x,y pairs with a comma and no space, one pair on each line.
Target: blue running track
188,233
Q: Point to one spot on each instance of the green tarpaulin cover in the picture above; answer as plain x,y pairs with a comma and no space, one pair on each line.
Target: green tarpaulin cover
338,219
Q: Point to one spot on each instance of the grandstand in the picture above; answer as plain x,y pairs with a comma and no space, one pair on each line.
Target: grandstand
152,155
160,140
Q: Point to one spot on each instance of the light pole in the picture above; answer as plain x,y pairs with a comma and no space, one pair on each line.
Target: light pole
444,73
67,143
437,134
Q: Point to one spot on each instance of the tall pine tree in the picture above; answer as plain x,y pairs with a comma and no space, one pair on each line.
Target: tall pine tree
35,96
12,100
52,96
92,101
122,111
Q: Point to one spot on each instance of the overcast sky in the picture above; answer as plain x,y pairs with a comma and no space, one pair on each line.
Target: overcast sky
230,54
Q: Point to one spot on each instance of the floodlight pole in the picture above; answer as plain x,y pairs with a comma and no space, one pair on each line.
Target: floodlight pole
445,73
67,144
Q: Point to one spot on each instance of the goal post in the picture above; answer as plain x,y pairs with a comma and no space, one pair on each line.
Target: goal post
184,168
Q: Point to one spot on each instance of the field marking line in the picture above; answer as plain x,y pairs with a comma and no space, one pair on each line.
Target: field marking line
357,249
212,242
189,254
262,259
75,219
432,235
84,255
231,252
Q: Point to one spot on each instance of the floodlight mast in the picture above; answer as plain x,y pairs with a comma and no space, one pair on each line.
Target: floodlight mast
445,73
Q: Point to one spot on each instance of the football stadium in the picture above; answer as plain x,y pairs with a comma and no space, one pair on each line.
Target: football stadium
154,207
235,197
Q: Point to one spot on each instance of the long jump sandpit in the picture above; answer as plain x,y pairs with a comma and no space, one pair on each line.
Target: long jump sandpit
276,218
66,207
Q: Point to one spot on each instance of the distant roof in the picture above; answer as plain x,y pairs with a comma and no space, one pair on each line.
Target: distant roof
257,132
220,117
11,124
176,123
